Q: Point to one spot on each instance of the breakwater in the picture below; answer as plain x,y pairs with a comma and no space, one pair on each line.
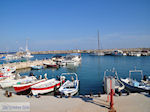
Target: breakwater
22,65
89,51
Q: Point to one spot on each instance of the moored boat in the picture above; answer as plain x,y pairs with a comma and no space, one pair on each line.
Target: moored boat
51,64
134,85
47,86
7,69
11,82
117,53
117,85
70,88
25,86
37,67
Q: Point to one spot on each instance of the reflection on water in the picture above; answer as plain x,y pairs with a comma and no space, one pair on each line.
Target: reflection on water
23,70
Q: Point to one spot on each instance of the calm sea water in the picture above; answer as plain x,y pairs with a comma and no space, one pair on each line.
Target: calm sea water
91,70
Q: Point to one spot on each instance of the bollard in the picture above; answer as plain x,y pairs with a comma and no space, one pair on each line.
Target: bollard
111,98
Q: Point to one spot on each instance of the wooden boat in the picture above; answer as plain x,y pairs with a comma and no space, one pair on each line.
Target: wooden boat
5,75
11,82
51,64
70,88
37,67
47,86
7,69
25,86
134,85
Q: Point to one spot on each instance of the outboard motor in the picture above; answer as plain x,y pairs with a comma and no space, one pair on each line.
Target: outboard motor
40,77
45,75
145,78
31,74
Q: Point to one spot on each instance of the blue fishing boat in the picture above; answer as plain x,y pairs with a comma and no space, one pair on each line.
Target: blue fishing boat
37,67
134,85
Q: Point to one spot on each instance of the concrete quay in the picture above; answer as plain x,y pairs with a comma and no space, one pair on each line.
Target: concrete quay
22,65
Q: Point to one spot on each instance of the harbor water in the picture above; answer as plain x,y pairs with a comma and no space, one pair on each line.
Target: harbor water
91,70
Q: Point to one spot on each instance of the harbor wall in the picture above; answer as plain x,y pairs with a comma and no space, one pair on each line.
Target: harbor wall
88,51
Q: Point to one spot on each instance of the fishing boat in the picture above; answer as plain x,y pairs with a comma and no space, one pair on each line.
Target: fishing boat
71,59
37,67
6,78
57,58
51,64
20,87
9,57
11,82
117,53
5,75
70,88
47,86
7,69
118,85
134,85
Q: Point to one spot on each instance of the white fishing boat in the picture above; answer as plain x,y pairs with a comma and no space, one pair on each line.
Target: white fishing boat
7,69
70,88
19,80
9,57
5,75
3,79
71,59
21,87
116,83
51,63
134,85
47,86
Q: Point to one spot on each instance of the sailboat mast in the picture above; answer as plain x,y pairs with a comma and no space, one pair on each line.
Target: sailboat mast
98,40
26,45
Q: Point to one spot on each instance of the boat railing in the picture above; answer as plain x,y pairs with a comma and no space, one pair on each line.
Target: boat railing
70,74
136,71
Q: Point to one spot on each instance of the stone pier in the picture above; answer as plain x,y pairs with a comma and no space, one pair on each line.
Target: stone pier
22,65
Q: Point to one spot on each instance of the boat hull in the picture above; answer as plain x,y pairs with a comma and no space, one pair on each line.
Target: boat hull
53,66
134,89
36,91
23,87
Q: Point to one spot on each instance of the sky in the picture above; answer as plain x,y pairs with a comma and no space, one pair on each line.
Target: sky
73,24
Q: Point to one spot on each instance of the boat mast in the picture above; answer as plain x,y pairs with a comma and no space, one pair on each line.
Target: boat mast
26,45
98,41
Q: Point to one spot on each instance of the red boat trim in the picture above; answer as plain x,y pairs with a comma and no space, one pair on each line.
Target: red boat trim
23,88
48,87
